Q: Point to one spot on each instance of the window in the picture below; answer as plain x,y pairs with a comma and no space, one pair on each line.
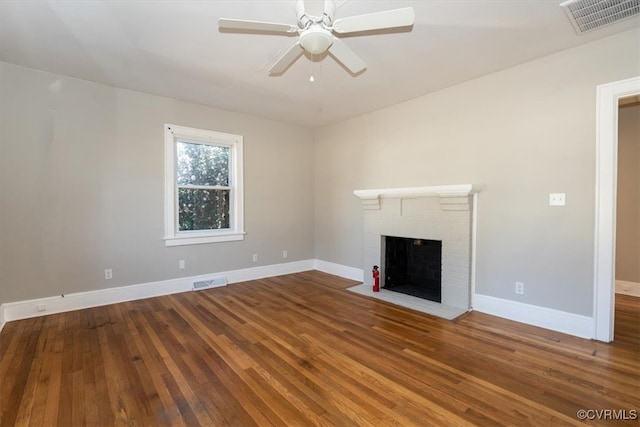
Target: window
203,188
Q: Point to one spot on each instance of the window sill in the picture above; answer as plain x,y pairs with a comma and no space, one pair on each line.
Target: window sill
198,240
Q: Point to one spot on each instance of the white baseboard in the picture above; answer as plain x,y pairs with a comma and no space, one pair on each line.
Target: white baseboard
273,270
628,288
339,270
77,301
581,326
555,320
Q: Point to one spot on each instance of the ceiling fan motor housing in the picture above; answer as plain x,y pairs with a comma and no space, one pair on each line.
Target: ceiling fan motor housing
316,39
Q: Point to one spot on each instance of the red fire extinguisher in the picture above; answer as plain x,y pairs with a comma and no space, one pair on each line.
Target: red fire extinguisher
376,279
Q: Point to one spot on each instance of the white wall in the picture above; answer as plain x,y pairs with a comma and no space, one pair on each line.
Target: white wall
81,187
518,135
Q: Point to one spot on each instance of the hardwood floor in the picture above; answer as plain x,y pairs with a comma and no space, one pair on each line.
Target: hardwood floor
300,350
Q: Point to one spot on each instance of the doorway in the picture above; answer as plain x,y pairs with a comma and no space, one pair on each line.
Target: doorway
608,97
627,263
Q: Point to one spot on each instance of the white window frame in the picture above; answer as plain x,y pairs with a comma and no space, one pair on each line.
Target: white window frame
173,235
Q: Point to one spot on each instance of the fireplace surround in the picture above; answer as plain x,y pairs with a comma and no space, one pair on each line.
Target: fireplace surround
440,213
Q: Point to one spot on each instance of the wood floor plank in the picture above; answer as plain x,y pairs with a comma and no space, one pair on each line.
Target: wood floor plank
301,350
228,370
167,413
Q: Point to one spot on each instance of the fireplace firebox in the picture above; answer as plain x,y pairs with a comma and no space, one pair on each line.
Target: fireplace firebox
413,267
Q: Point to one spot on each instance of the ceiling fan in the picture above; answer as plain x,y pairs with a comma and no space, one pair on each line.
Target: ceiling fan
316,34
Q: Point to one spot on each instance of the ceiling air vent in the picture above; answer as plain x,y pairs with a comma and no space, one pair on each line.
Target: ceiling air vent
588,15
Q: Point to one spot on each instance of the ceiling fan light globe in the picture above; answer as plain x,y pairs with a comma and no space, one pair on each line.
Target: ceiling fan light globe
316,40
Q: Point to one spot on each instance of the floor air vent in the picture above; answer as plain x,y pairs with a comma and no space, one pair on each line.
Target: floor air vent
588,15
208,284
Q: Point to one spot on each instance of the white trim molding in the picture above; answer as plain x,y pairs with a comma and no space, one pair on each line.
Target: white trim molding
474,246
351,273
371,197
543,317
607,97
624,287
173,236
564,322
77,301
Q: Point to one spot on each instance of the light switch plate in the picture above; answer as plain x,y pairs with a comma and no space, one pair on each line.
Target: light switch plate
556,199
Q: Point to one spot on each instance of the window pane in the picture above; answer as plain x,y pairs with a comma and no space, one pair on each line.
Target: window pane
201,164
203,209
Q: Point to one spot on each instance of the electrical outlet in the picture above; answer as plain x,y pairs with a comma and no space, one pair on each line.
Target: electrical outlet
181,264
284,254
255,258
556,199
108,274
519,288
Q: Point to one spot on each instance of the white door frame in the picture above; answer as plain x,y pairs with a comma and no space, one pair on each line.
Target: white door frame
606,177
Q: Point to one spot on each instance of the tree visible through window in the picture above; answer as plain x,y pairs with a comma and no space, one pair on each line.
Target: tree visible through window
203,195
203,186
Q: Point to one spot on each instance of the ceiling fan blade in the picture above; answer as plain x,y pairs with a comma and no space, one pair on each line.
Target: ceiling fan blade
316,8
329,10
241,24
286,59
346,56
375,21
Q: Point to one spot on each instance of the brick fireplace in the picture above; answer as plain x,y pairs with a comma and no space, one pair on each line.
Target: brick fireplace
442,213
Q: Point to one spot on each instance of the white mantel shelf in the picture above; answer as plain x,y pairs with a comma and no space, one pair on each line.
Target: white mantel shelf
461,190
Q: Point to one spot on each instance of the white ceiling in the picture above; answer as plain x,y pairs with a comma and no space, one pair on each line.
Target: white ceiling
174,49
